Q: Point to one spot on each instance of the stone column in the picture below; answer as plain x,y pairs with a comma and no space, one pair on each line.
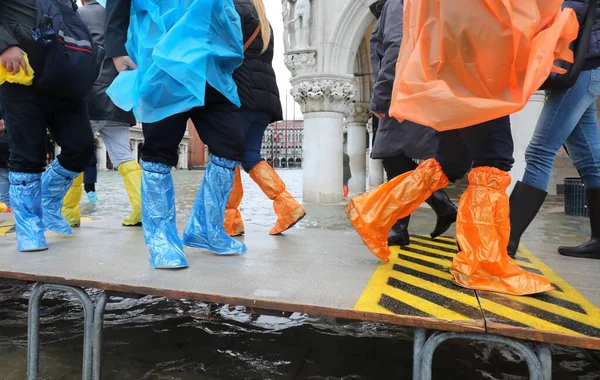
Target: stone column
134,149
523,124
357,117
376,172
324,100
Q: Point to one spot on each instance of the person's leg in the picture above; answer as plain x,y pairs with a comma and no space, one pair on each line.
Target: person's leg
116,138
561,114
4,187
482,227
219,127
159,155
71,129
288,210
584,149
70,209
26,120
395,166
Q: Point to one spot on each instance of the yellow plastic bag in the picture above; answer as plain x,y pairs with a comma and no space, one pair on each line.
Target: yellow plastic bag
464,62
18,78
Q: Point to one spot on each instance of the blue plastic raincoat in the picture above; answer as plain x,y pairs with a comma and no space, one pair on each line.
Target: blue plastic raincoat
179,47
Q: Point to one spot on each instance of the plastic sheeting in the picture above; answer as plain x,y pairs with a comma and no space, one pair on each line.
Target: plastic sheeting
159,217
26,202
234,223
288,210
132,178
56,181
19,78
483,232
179,47
70,208
459,68
373,214
205,227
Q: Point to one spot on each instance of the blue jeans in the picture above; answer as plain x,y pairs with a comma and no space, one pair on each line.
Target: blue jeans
4,186
254,125
568,117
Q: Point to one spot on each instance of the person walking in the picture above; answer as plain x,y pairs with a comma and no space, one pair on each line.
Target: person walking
259,94
399,144
112,124
184,73
569,118
53,102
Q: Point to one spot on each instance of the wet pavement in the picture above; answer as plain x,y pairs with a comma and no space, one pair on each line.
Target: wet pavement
156,338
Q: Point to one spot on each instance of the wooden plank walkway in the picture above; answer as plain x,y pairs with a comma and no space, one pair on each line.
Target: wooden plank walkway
314,271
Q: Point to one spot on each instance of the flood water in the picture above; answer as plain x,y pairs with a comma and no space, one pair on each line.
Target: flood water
160,339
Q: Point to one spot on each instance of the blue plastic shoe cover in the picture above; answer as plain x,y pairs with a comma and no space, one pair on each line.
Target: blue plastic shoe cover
26,201
205,227
159,217
56,181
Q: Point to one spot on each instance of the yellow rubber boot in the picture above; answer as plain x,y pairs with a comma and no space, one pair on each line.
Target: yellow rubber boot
288,210
132,177
233,223
70,209
483,232
3,207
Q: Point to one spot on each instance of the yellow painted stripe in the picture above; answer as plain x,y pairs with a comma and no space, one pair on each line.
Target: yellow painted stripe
433,260
4,230
437,243
433,309
569,293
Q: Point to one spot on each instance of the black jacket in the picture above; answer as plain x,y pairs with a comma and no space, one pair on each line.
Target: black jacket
580,8
99,104
17,18
256,81
393,138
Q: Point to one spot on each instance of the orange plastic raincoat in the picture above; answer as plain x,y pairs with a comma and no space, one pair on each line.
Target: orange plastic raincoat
464,62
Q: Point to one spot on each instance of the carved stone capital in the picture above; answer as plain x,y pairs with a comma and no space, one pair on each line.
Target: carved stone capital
301,62
358,113
323,95
370,126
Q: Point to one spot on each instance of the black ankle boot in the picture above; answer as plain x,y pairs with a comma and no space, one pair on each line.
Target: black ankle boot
445,210
399,236
525,203
591,249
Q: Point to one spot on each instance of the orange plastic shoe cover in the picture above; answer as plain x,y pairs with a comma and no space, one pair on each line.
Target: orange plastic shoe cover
374,213
234,224
457,69
288,210
483,232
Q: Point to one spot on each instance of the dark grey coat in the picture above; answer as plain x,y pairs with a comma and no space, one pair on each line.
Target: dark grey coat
392,137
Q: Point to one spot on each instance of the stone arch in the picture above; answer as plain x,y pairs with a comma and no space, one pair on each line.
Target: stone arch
343,43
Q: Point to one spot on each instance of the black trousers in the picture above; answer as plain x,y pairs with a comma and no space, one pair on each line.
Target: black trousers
29,114
485,144
217,123
400,164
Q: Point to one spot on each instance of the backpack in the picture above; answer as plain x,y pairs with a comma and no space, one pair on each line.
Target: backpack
69,66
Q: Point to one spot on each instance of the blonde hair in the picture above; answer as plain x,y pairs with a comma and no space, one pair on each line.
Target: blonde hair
265,27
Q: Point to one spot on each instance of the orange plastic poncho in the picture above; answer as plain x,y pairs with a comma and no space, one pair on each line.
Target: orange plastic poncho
463,62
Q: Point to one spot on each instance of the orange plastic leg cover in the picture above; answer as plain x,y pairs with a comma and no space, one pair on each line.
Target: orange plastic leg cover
288,210
234,224
483,231
374,213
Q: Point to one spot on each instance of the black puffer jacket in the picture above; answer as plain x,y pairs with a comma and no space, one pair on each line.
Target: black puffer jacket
99,104
580,8
256,81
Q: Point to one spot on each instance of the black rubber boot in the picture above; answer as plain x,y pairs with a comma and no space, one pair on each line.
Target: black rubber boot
399,236
591,249
445,210
525,203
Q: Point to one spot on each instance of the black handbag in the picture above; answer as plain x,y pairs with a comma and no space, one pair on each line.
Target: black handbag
580,47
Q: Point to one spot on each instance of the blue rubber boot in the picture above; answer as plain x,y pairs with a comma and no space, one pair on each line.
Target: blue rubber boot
158,217
205,227
26,201
56,181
